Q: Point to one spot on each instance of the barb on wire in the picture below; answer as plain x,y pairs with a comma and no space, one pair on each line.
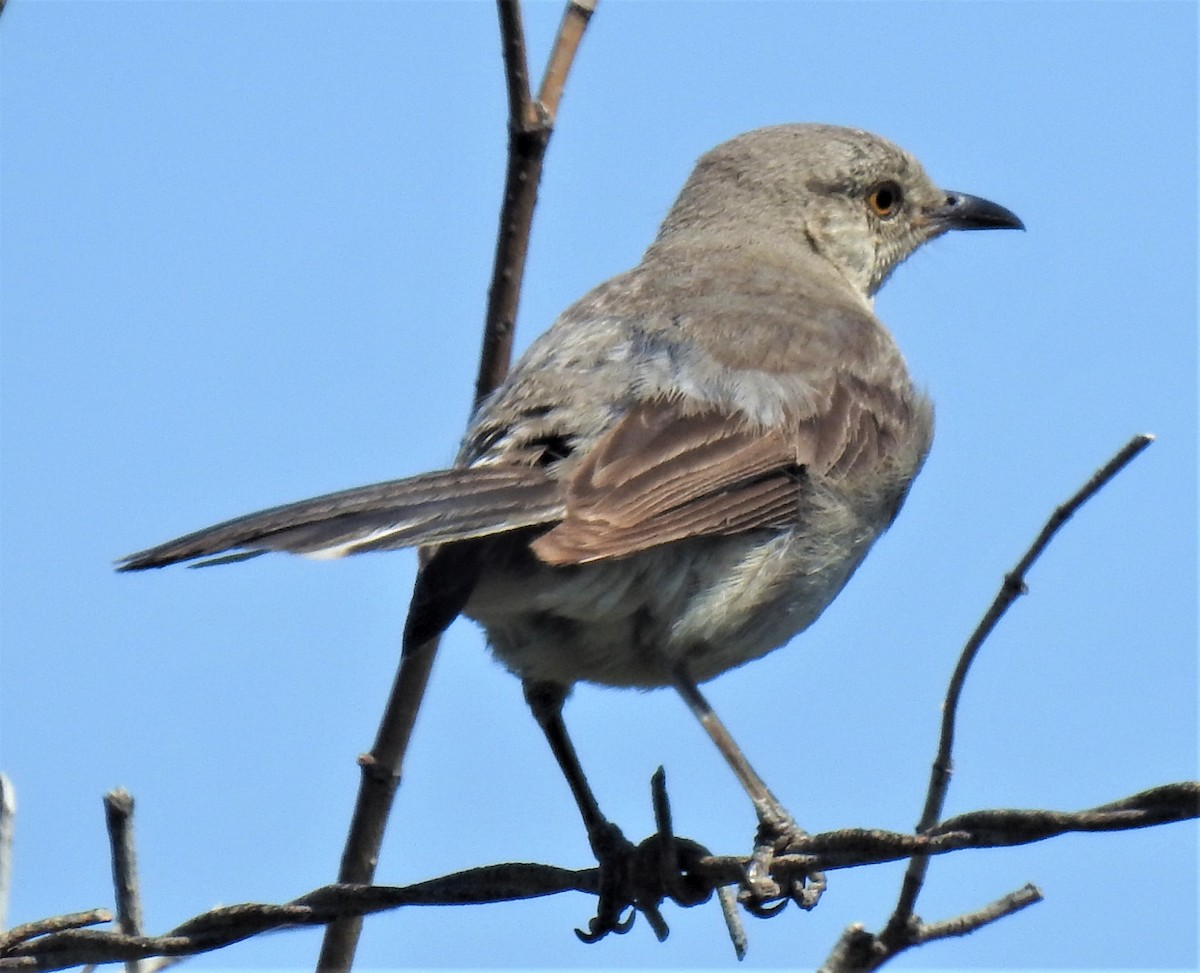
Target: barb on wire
682,873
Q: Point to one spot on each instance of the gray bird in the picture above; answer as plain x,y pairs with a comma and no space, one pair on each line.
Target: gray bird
687,467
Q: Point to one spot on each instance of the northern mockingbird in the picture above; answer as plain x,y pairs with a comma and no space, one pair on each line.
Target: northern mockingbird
686,468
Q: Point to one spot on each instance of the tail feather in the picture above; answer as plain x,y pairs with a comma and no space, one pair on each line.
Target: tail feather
432,508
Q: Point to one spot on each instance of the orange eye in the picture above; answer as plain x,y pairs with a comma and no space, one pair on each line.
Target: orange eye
885,199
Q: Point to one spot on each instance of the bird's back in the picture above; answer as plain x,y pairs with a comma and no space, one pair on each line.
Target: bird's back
730,455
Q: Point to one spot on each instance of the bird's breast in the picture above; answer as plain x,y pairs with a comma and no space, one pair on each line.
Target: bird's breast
716,601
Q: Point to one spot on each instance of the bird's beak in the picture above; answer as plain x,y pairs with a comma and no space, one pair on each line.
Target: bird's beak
964,212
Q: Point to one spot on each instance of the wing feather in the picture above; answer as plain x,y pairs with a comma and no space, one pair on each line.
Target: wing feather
662,475
659,475
432,508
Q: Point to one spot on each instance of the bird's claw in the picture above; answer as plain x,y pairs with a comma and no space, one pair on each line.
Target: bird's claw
615,855
606,921
637,879
761,895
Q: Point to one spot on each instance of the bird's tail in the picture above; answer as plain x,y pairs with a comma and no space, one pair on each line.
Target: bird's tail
448,505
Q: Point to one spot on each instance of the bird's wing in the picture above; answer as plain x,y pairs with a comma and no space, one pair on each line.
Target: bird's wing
448,505
660,475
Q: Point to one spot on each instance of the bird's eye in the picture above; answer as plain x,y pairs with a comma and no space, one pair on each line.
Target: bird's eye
884,200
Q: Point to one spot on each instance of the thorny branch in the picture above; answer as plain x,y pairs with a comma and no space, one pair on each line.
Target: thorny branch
530,126
58,943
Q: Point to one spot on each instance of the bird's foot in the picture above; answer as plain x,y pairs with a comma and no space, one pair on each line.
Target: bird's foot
615,855
761,894
638,879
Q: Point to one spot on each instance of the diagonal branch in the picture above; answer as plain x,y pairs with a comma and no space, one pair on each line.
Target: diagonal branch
1014,586
570,36
859,951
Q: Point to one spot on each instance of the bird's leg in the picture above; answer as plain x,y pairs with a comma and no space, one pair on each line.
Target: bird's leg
776,828
612,850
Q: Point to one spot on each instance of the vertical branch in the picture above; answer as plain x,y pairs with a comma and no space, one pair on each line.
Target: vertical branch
530,126
118,817
516,63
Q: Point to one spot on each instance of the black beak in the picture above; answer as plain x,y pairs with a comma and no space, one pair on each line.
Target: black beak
964,212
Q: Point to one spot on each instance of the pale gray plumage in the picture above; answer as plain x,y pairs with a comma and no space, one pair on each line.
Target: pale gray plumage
692,461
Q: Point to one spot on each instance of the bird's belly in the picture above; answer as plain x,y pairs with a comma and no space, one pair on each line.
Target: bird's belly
717,602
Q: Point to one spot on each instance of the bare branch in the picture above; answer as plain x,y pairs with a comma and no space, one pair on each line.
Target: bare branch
570,35
530,127
1013,587
970,921
858,951
516,65
118,816
381,772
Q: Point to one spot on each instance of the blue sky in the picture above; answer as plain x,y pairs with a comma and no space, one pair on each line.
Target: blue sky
245,251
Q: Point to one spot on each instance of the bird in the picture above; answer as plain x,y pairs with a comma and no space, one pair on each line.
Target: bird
686,468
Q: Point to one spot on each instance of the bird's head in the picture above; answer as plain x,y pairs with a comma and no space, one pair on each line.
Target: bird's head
857,200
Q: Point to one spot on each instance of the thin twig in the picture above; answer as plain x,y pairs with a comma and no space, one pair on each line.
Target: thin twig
968,922
858,951
530,127
1013,587
118,817
570,35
